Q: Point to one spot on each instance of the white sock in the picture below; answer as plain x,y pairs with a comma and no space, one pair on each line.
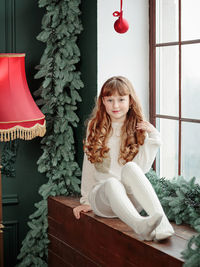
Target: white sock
124,209
134,180
164,229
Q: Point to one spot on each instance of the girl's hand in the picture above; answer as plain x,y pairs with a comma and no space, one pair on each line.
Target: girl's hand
145,126
79,209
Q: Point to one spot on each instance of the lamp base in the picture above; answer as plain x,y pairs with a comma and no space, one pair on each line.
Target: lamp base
1,245
1,220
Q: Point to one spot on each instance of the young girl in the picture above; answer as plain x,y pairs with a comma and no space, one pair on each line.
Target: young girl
120,148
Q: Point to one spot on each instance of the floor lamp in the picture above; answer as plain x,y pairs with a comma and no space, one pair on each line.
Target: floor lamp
19,115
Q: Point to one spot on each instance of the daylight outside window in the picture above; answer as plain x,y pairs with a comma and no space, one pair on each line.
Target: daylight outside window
175,85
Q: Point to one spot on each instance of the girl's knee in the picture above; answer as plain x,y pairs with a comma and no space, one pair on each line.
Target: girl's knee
131,164
130,167
111,184
130,170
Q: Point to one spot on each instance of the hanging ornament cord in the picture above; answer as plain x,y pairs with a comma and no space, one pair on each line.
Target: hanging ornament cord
117,13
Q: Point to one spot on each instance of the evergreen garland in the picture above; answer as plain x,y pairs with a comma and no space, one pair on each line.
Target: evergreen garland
59,97
181,202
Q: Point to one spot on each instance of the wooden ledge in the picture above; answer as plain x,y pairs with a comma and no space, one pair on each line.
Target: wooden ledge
96,241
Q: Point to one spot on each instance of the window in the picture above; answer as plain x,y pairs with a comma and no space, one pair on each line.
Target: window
175,85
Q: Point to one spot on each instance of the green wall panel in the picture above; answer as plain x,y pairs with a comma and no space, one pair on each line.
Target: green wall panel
88,67
20,22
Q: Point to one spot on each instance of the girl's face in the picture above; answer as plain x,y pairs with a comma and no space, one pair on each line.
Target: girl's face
116,106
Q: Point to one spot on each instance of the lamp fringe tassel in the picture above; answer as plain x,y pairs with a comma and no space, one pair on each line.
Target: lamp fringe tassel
22,132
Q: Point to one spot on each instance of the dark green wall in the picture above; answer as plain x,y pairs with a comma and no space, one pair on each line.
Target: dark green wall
88,67
20,22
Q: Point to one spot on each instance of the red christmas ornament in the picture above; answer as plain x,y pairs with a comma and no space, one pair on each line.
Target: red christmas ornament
120,25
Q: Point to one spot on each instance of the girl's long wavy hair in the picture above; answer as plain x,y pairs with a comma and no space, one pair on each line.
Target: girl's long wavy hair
100,129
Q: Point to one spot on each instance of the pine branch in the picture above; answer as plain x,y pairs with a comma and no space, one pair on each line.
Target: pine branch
181,202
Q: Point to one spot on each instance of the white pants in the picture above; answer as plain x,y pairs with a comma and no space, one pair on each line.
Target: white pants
126,198
100,202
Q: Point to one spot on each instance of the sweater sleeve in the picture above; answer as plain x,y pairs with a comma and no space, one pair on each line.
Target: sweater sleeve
147,152
87,181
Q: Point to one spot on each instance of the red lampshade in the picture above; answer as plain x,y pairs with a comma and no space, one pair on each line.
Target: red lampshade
19,115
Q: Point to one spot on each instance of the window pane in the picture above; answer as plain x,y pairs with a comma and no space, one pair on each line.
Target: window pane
190,150
167,159
166,21
191,81
167,80
190,22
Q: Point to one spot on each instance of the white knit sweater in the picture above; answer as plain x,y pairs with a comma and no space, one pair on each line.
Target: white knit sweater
93,175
